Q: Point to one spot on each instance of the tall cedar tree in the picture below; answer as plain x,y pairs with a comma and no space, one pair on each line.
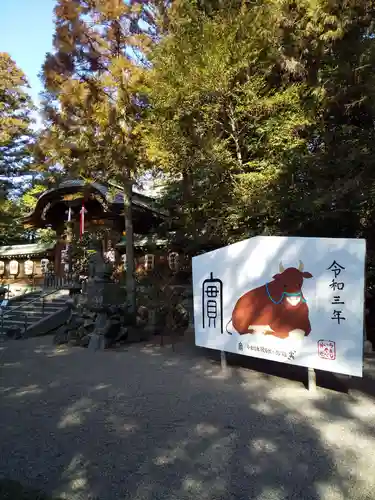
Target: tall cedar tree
218,121
94,100
16,137
269,107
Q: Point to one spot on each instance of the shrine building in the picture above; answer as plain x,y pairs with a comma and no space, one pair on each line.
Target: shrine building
89,208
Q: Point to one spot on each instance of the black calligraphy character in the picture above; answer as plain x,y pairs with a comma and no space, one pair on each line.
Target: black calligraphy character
336,285
336,300
240,346
291,355
212,302
211,312
212,291
337,316
336,268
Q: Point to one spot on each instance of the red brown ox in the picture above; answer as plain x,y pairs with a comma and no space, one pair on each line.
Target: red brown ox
277,308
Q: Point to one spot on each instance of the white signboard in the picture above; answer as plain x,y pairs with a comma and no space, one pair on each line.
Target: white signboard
13,267
295,300
29,267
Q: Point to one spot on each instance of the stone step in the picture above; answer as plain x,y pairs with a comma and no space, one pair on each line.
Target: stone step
30,317
19,303
30,309
14,314
19,321
37,305
47,300
24,301
54,301
16,322
61,302
22,312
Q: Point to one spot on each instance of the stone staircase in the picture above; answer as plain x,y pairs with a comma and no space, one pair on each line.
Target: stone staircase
34,313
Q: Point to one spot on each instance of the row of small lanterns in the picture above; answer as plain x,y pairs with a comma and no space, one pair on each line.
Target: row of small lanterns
29,267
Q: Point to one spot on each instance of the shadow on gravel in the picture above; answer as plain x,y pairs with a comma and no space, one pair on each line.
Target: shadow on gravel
12,490
148,423
324,380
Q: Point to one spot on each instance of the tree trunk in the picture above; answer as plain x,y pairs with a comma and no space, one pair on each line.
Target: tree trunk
187,192
235,135
186,185
130,267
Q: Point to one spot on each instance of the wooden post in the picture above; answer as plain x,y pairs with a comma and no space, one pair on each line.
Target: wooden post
223,361
130,267
367,346
311,385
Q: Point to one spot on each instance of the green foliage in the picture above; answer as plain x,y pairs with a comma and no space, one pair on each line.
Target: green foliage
95,97
11,230
218,122
266,112
46,235
16,137
80,254
93,91
30,197
15,119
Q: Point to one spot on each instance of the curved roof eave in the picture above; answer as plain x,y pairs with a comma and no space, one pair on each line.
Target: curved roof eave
139,199
75,183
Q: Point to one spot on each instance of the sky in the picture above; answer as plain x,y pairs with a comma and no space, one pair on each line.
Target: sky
26,29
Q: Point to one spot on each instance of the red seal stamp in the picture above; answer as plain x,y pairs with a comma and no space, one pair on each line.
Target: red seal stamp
327,349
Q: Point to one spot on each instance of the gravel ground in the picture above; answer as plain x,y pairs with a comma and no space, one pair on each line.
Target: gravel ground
148,423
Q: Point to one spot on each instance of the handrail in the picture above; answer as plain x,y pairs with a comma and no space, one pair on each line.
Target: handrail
30,302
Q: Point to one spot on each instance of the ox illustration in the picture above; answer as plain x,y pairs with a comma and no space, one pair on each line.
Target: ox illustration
277,308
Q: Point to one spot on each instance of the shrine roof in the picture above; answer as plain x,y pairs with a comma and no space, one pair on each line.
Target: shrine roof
75,183
112,196
29,249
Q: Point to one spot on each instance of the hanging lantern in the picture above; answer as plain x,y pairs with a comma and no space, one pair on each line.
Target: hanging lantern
110,256
2,267
13,267
44,265
64,256
29,267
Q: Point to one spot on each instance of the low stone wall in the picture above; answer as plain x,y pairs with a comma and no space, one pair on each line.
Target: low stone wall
97,322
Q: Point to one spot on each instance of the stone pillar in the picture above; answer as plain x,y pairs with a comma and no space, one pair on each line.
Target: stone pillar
189,305
367,346
94,292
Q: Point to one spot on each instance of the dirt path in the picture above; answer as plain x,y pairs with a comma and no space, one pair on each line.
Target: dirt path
148,423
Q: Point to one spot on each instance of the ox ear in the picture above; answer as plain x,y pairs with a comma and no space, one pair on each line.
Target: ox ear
276,277
307,275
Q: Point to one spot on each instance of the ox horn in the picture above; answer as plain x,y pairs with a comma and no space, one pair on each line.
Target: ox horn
301,266
281,268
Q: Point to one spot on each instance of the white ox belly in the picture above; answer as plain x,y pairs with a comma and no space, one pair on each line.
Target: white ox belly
295,335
